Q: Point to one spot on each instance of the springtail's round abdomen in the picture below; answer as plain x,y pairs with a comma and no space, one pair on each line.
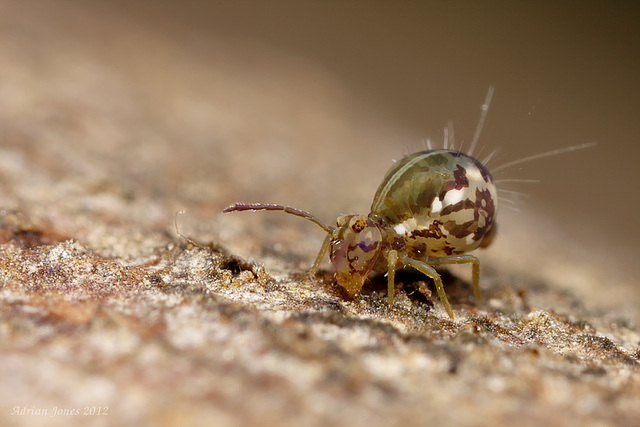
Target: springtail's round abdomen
439,202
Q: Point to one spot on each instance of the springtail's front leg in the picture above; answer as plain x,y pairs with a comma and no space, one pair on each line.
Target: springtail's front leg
323,250
392,260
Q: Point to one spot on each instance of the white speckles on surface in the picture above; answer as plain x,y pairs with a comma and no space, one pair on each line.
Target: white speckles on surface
452,197
400,229
436,206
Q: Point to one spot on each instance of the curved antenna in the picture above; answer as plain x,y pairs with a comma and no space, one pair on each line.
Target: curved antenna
175,224
239,207
545,154
483,116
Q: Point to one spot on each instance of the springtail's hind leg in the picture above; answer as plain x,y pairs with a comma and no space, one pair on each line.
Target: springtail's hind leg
463,259
392,260
429,271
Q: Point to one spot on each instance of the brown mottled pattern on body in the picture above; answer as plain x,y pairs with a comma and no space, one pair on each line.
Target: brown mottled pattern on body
441,202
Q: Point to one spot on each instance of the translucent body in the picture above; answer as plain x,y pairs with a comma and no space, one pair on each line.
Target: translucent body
440,202
430,209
